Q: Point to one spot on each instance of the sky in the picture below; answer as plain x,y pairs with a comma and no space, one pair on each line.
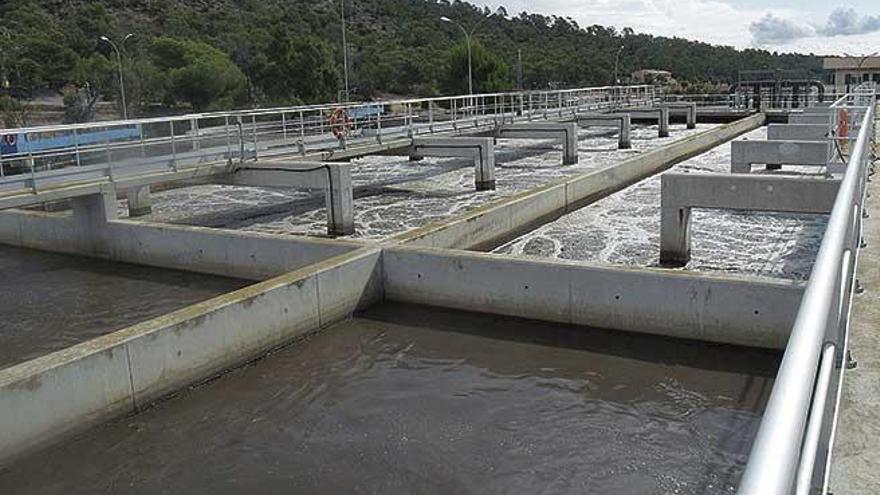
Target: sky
826,27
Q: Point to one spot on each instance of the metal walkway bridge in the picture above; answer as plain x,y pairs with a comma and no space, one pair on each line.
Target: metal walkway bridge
55,162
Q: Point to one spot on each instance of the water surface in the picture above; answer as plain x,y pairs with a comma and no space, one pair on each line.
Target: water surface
52,301
408,399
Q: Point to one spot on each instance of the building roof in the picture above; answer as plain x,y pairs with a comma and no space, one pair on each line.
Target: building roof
852,63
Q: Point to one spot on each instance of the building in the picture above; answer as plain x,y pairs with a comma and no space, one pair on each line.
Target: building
652,76
849,72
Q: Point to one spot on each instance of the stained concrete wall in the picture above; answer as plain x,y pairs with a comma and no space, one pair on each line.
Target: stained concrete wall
797,132
51,397
506,218
677,304
251,256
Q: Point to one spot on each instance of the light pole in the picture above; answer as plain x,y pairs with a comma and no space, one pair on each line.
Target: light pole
468,35
617,65
4,77
119,63
862,60
344,47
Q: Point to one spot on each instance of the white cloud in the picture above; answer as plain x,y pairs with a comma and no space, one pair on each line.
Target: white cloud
771,29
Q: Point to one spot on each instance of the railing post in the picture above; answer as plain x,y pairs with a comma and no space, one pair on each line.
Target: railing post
76,147
302,133
173,147
254,125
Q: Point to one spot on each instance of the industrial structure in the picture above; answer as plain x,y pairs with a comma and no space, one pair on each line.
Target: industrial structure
65,198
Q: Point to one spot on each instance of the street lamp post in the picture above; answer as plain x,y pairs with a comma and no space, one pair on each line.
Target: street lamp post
862,60
617,65
119,63
4,77
468,36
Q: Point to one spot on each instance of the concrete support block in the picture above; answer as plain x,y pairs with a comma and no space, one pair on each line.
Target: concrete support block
744,154
691,112
482,150
664,122
332,178
810,119
623,122
89,221
797,132
565,132
660,113
680,193
139,201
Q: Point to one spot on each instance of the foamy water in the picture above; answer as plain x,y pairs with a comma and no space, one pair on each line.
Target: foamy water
393,194
625,229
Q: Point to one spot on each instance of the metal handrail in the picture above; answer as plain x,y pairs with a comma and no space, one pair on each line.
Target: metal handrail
185,140
311,108
778,446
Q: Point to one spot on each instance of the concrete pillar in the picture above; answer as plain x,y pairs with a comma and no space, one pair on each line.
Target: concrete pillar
334,179
90,216
139,201
679,193
797,132
623,122
664,122
339,199
624,140
690,112
482,150
744,154
565,132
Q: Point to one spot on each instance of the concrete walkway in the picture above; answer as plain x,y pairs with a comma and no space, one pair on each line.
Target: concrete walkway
856,459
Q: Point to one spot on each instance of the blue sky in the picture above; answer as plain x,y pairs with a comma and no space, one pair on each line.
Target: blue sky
822,27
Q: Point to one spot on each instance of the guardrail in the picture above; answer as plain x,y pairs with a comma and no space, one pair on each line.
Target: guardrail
746,101
791,451
113,148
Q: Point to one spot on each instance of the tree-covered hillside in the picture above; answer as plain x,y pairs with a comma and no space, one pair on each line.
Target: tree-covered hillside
203,54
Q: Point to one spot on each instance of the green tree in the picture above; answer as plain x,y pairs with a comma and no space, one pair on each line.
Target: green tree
490,72
198,74
302,68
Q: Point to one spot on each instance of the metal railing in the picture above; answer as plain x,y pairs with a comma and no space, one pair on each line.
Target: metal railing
747,102
117,148
791,451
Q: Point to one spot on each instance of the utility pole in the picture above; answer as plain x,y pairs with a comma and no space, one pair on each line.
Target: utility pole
344,49
119,63
617,66
519,70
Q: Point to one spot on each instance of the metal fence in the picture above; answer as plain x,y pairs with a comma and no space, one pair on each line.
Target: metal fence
791,452
113,149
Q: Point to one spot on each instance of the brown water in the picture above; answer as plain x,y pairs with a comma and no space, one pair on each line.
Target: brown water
52,301
407,399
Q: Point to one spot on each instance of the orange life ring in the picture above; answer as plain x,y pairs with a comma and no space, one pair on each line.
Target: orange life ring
843,124
340,123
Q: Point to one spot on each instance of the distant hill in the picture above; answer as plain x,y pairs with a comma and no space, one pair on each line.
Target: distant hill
212,53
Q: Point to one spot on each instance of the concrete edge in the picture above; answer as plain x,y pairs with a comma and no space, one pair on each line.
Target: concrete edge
738,310
251,256
54,396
